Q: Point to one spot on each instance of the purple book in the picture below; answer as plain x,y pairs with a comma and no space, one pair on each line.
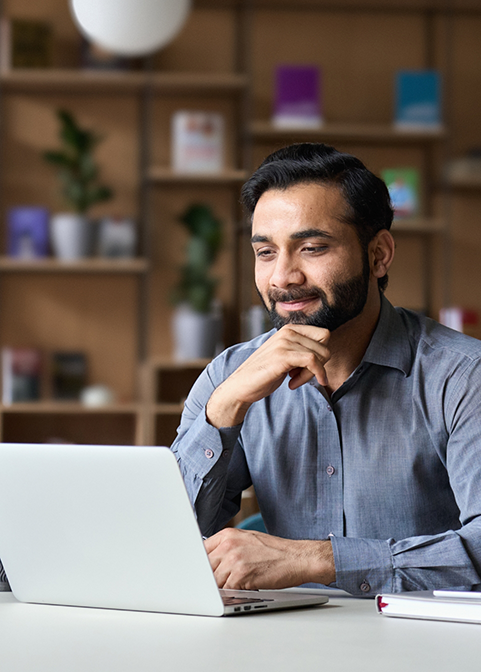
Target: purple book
298,96
28,232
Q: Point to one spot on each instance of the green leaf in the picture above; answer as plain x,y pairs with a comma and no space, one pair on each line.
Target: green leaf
77,170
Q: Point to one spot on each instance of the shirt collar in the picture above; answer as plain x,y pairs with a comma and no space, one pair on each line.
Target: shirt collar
390,344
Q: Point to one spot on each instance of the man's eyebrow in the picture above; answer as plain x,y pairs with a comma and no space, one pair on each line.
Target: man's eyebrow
311,233
260,239
298,235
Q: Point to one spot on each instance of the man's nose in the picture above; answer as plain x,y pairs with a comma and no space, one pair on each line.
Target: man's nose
286,272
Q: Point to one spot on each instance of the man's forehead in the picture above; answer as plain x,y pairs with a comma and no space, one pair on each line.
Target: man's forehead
300,211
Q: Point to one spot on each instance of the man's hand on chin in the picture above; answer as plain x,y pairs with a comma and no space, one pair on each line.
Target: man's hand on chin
248,560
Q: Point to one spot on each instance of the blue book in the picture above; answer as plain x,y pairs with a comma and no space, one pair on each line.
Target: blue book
418,100
28,228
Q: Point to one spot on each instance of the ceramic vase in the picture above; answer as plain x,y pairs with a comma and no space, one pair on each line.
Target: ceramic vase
196,335
70,236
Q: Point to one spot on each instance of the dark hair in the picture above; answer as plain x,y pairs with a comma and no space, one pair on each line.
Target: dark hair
368,203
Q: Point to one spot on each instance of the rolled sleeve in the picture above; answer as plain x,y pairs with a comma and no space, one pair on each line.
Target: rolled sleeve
368,566
363,566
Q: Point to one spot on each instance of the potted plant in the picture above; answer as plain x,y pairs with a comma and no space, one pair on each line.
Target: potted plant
79,177
197,321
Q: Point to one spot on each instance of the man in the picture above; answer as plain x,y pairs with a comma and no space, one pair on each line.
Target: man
357,423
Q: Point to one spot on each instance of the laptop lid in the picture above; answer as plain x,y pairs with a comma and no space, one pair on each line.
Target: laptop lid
112,527
102,526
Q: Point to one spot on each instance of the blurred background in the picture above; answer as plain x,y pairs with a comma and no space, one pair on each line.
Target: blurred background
148,152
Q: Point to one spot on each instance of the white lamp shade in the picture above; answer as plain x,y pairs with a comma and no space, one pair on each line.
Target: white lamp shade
130,27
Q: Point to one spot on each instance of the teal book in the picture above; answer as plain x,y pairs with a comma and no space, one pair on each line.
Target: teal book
418,100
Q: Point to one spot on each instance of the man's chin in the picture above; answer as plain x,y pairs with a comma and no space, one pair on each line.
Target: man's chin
292,317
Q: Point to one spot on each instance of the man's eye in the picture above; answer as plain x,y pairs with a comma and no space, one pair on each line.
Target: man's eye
264,253
312,249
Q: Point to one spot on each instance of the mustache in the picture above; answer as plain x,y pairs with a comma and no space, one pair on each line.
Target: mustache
295,294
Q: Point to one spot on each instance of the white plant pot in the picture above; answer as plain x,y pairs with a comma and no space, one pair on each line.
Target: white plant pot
196,335
70,236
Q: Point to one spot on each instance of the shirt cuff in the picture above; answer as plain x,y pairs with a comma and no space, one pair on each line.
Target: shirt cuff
364,567
203,447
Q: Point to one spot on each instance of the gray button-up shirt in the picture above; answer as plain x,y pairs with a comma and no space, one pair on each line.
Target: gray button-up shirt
388,467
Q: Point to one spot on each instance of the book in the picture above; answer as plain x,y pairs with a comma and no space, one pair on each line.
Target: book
94,57
464,170
21,371
197,142
117,237
25,44
418,100
403,187
461,319
69,375
28,232
436,605
297,101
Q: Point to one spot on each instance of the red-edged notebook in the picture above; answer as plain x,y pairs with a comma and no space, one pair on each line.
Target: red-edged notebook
438,605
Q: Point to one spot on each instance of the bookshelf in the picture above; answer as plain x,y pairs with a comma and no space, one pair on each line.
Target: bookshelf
346,132
71,422
92,265
115,310
88,81
119,311
166,384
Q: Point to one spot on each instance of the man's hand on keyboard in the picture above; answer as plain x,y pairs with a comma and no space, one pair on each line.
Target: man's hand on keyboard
248,560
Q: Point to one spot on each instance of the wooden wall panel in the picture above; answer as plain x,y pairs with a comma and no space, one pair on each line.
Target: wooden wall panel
168,247
358,54
205,44
76,312
465,100
33,128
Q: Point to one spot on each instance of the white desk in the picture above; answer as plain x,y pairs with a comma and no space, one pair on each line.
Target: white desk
345,635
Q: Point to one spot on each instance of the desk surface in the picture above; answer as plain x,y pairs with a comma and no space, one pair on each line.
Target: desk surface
346,635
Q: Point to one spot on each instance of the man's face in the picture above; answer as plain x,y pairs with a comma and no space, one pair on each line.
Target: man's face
310,268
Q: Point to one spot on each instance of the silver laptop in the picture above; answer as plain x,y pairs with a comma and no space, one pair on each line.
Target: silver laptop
111,527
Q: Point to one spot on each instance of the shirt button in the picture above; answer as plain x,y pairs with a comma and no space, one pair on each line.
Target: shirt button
330,470
329,408
209,453
365,587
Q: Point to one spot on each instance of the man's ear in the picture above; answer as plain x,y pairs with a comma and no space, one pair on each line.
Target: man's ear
381,253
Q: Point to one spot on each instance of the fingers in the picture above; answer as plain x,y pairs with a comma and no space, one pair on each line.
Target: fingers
297,350
309,354
249,560
301,376
313,333
225,556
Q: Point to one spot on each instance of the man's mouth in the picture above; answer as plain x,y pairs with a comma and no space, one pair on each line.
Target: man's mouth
296,304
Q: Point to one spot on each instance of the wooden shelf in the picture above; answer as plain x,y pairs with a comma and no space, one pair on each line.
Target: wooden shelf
168,409
53,80
89,265
173,365
418,225
372,133
98,81
161,175
67,407
465,183
394,6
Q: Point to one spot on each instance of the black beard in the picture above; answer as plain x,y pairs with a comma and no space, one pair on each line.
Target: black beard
349,299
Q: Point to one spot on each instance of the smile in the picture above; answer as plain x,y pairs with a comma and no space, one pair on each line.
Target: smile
298,304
